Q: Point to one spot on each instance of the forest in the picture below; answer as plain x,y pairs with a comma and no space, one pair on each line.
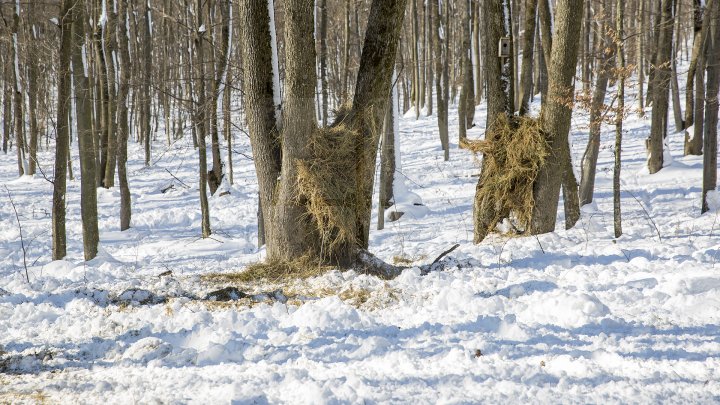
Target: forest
359,201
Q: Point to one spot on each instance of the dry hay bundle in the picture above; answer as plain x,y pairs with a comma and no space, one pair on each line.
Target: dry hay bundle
328,182
513,150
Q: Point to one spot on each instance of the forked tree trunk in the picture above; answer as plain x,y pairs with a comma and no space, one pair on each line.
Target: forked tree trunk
555,115
590,157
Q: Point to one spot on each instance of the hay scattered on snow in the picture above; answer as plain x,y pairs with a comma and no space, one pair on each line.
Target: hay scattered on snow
513,151
273,271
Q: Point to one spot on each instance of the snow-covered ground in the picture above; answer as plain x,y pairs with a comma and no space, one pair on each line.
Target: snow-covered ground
569,317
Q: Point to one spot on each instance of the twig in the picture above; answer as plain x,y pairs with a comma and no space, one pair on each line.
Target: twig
22,240
647,214
539,244
174,177
445,253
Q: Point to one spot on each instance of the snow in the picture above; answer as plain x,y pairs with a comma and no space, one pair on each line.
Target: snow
568,317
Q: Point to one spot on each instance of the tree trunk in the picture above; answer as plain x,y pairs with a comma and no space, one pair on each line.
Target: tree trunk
711,108
617,218
122,117
387,165
83,106
661,81
258,98
416,59
526,84
18,102
466,105
499,99
641,59
694,95
440,73
62,137
147,79
675,90
555,115
109,36
323,60
590,157
201,121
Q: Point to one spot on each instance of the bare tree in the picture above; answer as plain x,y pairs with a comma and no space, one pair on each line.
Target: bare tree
555,114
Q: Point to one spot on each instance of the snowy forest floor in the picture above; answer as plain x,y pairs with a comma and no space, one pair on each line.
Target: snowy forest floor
568,317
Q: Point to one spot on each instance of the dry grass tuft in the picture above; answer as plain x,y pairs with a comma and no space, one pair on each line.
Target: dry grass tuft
272,272
513,151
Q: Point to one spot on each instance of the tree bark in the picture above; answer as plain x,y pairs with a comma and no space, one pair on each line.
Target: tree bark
617,217
526,84
200,117
711,108
500,98
555,115
440,73
62,137
258,98
122,117
694,95
590,157
83,106
661,81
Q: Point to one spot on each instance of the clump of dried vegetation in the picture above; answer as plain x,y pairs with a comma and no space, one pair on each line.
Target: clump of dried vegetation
513,151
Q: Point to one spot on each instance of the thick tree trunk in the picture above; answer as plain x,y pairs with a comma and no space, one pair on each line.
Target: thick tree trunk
62,137
374,82
83,106
500,98
292,235
556,114
258,98
711,108
661,87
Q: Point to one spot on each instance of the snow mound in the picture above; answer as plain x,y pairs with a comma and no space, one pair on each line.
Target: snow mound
560,308
326,314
